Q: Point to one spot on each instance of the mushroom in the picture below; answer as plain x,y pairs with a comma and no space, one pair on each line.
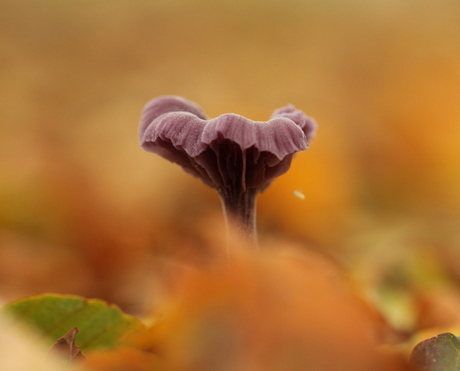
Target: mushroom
236,156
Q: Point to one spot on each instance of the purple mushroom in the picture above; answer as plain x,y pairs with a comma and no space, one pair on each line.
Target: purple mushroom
232,154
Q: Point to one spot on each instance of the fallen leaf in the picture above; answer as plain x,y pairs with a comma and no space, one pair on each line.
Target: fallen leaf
100,325
65,347
440,353
288,310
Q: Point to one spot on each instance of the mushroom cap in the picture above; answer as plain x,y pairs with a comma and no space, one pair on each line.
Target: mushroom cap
230,151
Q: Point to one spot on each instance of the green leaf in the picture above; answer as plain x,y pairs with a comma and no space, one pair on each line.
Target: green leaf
440,353
99,325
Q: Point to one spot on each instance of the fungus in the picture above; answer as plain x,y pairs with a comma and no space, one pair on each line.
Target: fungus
236,156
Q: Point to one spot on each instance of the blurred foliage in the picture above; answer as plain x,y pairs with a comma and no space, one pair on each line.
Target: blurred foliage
381,180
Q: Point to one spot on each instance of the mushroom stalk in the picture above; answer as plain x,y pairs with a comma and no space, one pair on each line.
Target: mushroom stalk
240,213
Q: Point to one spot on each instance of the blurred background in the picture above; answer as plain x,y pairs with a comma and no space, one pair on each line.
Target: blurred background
83,210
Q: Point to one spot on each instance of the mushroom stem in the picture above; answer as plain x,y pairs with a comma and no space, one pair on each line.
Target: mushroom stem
240,213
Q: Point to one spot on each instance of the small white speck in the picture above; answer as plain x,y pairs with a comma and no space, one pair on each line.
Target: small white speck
299,195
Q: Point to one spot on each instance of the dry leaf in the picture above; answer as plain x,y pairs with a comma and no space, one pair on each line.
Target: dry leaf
268,311
66,349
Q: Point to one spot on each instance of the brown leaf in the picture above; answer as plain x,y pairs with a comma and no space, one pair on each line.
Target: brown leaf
65,347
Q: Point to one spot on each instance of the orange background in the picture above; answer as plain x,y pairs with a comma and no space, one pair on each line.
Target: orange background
84,210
